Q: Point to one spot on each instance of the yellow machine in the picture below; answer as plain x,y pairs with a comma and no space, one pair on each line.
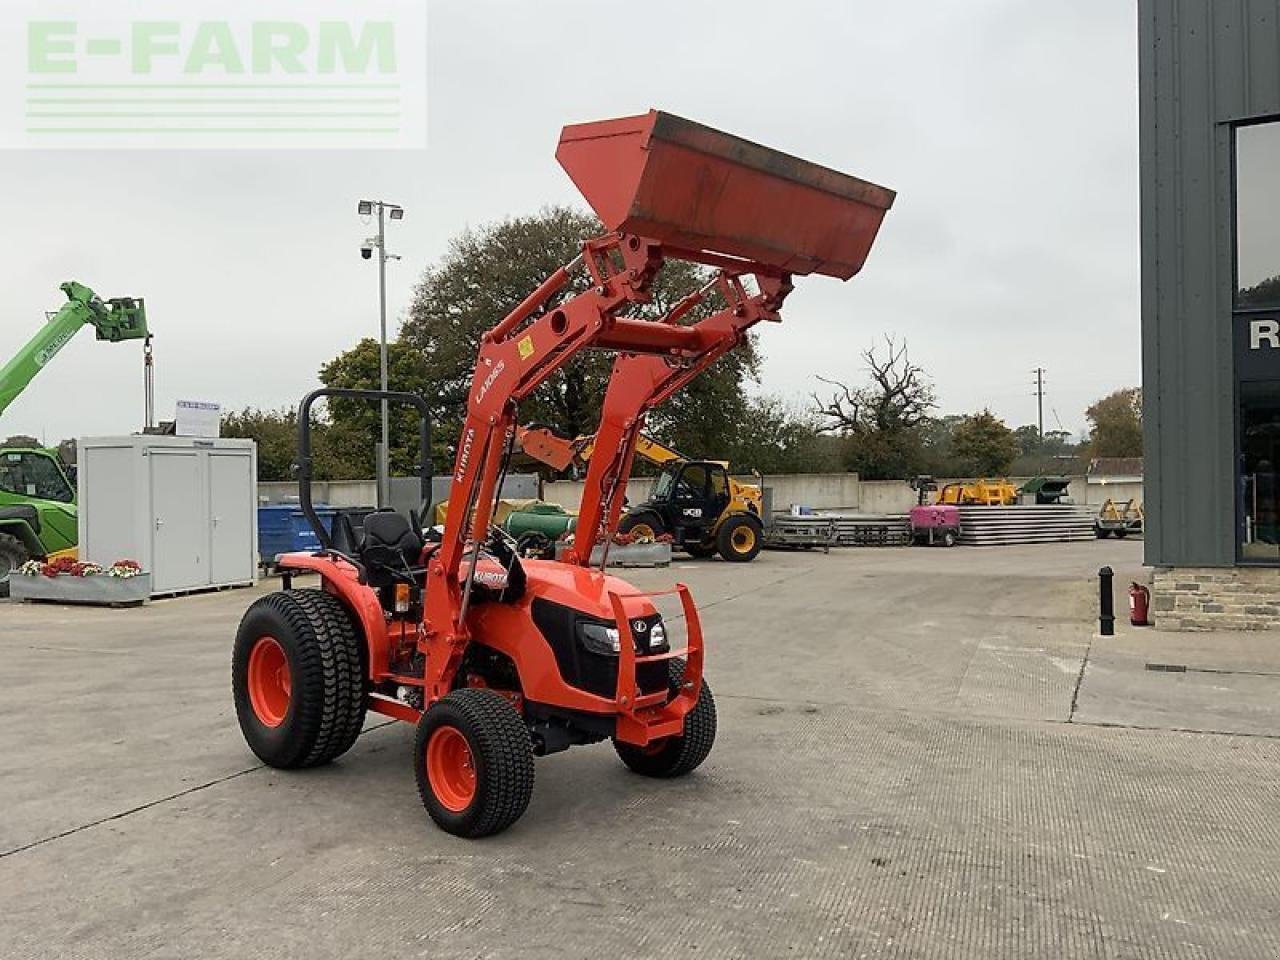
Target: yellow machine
696,502
987,493
1119,518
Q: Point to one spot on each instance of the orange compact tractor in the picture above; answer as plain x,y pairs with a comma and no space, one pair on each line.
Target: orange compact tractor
497,659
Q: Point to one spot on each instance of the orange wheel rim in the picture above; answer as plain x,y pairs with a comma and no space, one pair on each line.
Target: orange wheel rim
270,683
451,769
642,530
744,538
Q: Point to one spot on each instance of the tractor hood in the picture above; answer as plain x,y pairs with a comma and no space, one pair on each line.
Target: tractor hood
584,589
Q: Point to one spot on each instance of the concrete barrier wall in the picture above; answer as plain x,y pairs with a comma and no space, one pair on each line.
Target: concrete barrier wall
1099,492
405,491
821,491
337,493
825,491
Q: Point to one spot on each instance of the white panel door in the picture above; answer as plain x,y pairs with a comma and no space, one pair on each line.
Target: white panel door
179,522
231,506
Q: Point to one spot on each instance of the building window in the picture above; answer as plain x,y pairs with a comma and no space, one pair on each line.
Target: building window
1260,470
1256,320
1258,216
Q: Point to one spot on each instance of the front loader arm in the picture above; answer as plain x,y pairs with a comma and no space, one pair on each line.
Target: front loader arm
656,358
641,382
665,188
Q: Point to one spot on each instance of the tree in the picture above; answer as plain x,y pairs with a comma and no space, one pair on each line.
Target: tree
20,440
1263,294
276,434
355,426
1117,424
984,445
882,422
1028,438
777,438
487,271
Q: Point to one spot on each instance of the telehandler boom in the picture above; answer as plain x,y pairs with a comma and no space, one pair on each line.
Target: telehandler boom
37,501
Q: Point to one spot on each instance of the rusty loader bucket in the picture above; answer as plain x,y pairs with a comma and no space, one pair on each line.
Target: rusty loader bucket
698,190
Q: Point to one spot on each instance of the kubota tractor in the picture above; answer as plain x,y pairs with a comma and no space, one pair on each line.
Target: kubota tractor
493,658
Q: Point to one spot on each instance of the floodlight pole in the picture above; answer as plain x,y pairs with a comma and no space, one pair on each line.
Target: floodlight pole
365,208
384,449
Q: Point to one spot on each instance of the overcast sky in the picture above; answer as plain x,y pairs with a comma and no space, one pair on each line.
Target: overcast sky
1008,128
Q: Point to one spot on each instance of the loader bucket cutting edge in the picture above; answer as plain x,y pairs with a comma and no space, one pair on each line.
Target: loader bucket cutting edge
689,186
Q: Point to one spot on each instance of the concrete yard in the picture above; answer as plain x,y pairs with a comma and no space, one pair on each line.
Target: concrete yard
922,753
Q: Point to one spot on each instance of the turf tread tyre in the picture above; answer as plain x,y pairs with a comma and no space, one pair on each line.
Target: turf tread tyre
680,755
12,555
326,663
502,752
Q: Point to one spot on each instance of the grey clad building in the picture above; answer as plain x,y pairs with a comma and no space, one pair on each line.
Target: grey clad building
1210,169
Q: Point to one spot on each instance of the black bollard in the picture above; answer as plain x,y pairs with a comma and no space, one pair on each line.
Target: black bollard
1106,603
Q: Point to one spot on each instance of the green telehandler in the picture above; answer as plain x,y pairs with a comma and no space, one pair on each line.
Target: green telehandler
37,500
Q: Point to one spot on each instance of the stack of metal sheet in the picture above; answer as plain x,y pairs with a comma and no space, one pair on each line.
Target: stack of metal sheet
837,530
1024,523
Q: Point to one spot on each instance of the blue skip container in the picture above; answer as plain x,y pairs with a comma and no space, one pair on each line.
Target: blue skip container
282,528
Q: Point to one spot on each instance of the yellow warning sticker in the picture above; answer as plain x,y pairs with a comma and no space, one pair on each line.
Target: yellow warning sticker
525,347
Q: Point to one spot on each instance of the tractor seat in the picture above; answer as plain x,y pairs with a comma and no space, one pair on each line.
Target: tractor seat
390,546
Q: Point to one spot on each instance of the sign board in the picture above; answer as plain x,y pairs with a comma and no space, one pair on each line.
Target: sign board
195,418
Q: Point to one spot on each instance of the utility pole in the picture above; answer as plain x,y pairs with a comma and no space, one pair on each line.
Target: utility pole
379,243
1039,372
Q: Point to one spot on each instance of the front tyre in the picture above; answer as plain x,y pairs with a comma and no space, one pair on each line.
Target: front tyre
12,556
473,761
739,538
643,523
298,677
676,756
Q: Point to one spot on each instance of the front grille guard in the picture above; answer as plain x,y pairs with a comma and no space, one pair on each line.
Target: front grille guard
645,718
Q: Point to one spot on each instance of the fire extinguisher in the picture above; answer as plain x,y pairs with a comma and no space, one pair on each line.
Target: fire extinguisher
1139,605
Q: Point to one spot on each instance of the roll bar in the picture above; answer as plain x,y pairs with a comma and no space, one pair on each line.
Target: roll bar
306,464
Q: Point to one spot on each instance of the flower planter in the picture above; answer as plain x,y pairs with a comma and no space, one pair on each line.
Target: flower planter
631,555
100,591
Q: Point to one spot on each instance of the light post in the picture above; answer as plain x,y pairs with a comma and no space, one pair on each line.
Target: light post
379,243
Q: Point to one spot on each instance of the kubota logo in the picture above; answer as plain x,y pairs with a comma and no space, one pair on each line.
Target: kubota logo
464,458
489,380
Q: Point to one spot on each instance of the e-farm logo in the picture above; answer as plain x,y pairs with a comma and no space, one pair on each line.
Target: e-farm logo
291,74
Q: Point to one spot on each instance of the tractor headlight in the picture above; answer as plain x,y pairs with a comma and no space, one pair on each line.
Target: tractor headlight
599,638
657,636
603,638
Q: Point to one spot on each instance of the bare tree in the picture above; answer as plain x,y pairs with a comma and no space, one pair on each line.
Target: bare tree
899,396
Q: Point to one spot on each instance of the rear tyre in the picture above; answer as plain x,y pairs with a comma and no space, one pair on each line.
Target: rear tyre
1101,533
12,556
739,538
949,539
676,756
473,761
1121,533
298,676
643,523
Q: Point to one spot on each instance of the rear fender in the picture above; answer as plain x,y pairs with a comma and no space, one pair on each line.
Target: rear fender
343,581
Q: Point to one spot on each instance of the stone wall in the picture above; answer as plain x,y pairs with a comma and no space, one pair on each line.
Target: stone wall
1216,598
